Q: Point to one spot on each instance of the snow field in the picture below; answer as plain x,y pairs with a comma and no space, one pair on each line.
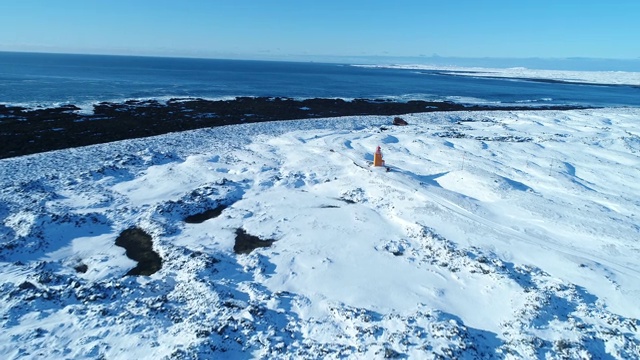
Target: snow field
494,234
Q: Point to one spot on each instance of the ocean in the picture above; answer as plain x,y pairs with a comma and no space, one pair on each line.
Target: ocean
48,80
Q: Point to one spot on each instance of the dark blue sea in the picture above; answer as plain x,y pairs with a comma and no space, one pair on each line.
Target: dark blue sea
45,80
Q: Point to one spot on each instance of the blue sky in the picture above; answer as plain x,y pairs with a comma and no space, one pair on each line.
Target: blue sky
286,29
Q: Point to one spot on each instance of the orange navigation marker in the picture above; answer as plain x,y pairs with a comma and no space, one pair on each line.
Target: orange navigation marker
377,158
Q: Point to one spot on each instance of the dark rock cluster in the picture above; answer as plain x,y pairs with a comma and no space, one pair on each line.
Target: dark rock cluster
28,131
398,121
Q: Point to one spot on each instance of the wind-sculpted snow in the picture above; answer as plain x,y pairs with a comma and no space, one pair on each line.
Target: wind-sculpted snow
492,235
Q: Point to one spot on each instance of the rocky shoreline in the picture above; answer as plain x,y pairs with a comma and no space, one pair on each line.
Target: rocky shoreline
28,131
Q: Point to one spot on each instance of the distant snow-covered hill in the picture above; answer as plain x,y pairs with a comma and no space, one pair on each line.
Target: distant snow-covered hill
492,235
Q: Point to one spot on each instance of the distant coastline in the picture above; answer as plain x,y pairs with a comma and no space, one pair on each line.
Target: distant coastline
597,78
50,80
29,131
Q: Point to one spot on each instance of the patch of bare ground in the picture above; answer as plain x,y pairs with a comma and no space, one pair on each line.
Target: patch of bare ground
205,215
139,246
246,243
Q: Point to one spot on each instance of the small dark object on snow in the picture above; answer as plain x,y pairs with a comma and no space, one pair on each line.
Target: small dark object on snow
26,286
391,354
398,121
246,243
82,268
348,201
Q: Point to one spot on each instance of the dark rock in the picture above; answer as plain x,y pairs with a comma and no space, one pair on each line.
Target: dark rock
391,354
348,201
139,246
246,243
398,121
27,286
29,131
206,215
82,268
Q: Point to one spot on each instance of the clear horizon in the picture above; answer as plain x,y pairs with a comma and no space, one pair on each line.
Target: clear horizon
290,30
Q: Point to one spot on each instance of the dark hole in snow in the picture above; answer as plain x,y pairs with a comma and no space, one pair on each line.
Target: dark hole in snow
205,215
329,207
246,243
139,246
82,268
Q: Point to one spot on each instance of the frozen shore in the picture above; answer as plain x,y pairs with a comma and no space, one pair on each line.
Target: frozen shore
27,131
494,234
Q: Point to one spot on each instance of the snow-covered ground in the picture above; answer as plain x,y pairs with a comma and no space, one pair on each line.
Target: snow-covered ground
588,77
493,235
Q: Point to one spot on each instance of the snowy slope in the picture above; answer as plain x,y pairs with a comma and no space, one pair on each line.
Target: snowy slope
589,77
494,234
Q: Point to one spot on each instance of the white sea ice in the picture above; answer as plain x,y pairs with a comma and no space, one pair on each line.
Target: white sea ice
591,77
